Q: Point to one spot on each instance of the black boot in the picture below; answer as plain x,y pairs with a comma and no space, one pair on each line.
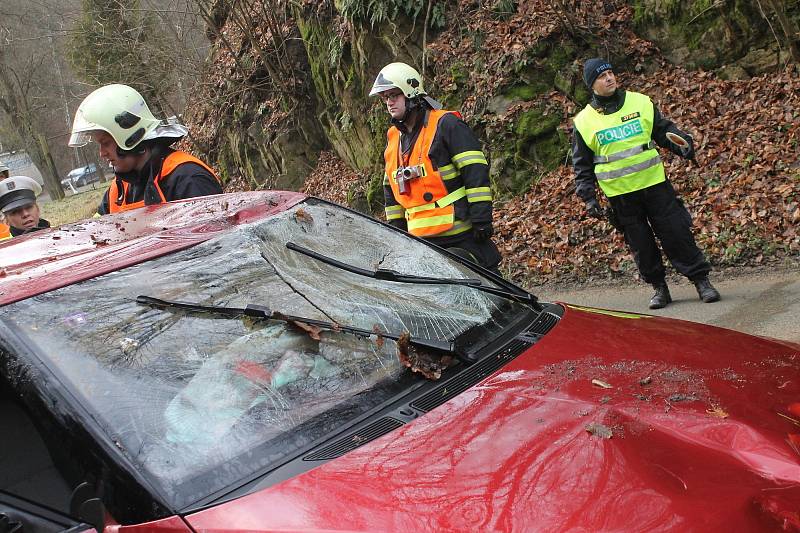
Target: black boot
661,298
706,290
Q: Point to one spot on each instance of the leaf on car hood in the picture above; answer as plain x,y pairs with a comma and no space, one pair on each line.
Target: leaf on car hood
601,383
599,430
717,411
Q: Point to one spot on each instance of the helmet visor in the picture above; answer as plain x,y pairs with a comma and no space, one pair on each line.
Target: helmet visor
79,138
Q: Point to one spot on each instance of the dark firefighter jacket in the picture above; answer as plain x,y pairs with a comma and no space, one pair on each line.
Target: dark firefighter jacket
187,180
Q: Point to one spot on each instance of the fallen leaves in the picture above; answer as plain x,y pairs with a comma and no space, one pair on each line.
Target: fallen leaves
599,430
312,330
717,412
601,384
428,364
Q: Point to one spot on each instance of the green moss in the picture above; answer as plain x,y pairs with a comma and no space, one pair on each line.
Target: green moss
374,192
533,123
525,92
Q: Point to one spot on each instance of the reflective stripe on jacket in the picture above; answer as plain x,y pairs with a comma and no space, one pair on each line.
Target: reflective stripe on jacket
5,232
427,205
118,202
626,159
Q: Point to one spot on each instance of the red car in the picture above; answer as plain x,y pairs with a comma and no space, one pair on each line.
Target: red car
244,363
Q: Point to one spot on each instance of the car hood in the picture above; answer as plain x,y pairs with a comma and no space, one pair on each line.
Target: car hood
56,257
613,421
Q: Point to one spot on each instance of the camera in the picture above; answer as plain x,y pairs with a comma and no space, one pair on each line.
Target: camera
408,173
404,175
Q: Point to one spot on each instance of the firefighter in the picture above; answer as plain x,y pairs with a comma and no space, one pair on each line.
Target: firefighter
615,147
18,205
436,178
146,170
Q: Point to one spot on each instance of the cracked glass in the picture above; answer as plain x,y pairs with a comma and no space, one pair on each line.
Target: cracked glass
199,403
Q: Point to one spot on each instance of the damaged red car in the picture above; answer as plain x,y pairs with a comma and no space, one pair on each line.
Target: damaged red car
269,361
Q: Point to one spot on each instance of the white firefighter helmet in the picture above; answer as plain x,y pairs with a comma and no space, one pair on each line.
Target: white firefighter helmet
404,77
122,112
398,76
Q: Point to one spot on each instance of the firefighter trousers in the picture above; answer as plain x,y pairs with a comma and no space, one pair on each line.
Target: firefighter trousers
657,213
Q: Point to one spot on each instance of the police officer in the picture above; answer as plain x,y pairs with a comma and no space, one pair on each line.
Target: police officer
18,204
147,171
4,171
615,147
436,179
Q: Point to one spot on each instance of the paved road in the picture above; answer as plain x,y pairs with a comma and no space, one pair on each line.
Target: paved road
762,303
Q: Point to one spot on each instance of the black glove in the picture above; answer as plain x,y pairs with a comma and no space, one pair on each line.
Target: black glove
686,152
593,208
482,232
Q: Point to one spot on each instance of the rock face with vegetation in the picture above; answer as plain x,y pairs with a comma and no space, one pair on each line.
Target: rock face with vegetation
286,106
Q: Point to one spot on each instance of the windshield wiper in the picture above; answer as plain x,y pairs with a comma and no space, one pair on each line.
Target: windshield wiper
392,275
263,312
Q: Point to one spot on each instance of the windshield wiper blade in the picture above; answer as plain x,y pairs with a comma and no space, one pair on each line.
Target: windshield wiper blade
392,275
264,312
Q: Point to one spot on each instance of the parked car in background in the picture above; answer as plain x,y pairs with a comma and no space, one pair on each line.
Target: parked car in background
244,362
78,177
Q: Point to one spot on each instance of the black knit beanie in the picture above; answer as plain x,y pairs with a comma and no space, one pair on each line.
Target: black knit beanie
593,68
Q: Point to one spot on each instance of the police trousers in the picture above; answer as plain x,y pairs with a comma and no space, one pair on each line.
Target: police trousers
657,212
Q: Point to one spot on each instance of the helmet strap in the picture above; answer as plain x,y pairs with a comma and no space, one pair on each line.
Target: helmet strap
138,150
412,105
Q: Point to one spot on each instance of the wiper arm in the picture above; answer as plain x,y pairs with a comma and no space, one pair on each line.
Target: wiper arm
263,312
392,275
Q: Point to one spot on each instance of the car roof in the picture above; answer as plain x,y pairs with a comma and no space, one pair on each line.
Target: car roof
57,257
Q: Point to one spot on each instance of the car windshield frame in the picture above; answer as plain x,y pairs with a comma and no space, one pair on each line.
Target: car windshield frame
483,316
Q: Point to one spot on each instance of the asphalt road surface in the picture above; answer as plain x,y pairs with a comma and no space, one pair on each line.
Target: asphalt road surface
763,302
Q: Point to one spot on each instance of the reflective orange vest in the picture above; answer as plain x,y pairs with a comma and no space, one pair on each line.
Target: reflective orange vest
5,232
429,209
170,163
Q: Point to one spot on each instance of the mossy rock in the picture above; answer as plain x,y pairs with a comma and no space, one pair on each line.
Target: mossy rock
533,123
702,33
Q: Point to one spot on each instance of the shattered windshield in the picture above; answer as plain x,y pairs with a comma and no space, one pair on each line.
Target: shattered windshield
200,403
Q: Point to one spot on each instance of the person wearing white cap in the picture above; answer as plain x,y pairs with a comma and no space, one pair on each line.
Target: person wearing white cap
137,144
4,171
18,204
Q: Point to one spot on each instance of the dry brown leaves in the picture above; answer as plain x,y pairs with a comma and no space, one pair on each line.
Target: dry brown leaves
331,179
428,364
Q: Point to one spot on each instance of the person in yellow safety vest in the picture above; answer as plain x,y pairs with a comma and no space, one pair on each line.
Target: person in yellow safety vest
137,144
18,205
614,147
436,177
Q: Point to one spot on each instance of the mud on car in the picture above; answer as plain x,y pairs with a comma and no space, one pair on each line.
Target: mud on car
271,361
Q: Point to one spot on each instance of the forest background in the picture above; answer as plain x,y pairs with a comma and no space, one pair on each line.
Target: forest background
275,95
